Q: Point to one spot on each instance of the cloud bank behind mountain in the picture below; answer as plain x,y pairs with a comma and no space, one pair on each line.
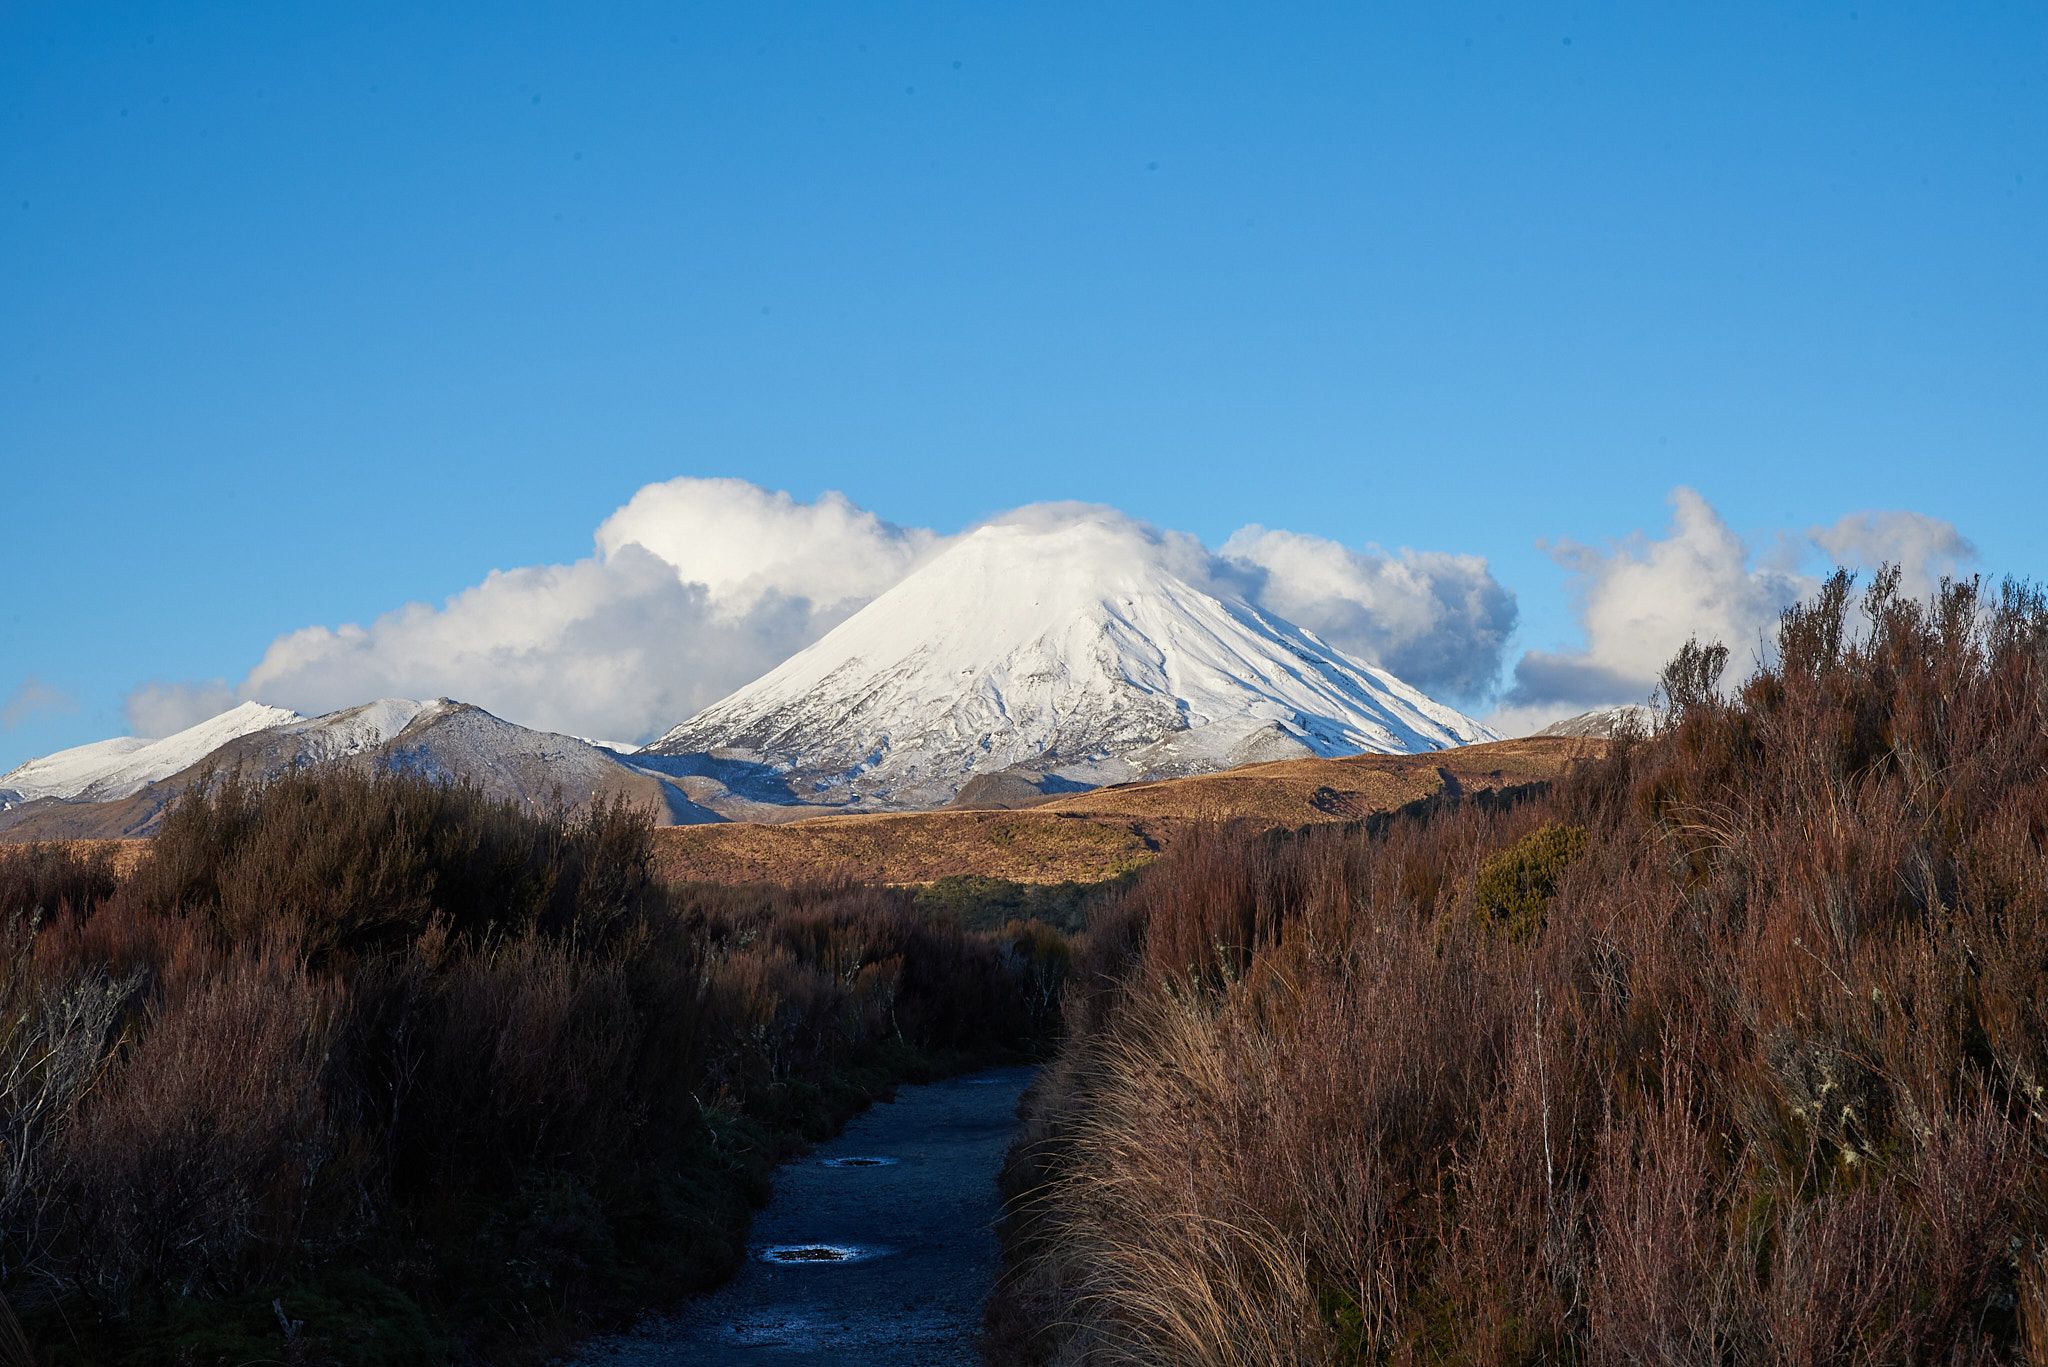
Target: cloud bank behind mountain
697,586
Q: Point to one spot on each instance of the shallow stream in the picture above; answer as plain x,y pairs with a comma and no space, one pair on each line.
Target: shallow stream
884,1262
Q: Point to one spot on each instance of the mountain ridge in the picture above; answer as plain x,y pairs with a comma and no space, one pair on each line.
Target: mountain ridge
110,769
443,739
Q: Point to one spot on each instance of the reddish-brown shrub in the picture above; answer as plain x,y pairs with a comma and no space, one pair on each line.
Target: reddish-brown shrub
346,1011
192,1160
48,877
1764,1083
359,861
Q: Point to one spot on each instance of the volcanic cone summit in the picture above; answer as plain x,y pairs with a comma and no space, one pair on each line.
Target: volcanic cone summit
1075,647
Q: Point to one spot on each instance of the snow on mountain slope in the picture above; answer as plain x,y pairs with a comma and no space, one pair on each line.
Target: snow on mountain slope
1081,645
110,769
1603,721
449,740
442,739
352,730
329,737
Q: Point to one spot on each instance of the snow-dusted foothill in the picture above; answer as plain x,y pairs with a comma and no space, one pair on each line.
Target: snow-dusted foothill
1085,645
1603,721
442,739
109,769
451,740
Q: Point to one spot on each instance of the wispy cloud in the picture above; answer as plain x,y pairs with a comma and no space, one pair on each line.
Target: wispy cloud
34,698
1925,549
162,708
695,587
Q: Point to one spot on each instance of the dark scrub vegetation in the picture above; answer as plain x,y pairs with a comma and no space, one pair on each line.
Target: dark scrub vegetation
374,1069
978,902
1730,1048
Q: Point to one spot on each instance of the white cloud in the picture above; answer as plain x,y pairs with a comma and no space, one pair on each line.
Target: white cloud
1925,549
34,698
1436,620
697,586
160,708
1641,599
1133,546
745,544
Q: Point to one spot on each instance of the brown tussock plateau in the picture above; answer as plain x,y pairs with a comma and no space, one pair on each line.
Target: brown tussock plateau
1099,834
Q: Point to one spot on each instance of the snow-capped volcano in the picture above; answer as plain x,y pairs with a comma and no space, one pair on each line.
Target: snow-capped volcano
1082,646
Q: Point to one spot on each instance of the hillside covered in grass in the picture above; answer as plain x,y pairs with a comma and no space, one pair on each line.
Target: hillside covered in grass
1728,1048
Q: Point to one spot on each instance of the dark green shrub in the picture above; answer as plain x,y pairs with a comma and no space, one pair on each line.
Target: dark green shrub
1516,885
978,902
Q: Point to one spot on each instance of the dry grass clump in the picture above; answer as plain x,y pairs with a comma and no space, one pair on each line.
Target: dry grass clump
348,1042
1750,1071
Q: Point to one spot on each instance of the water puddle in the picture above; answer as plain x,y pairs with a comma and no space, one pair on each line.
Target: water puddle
789,1254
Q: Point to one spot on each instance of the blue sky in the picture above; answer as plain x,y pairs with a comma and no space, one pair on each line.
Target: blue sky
310,312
